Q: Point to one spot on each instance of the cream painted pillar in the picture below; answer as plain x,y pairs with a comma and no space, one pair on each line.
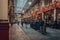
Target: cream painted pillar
4,9
53,1
54,14
42,16
1,10
41,8
43,4
54,10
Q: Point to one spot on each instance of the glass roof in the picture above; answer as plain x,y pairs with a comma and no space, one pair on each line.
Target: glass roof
21,5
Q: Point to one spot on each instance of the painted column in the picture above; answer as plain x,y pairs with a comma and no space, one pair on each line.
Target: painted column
4,24
4,9
41,8
1,10
54,14
53,1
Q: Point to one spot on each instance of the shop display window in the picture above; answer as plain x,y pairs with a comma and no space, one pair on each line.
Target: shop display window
58,14
48,16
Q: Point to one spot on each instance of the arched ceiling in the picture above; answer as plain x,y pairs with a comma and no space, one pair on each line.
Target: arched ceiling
21,5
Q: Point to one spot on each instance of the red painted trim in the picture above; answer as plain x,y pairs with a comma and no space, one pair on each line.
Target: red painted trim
4,34
4,31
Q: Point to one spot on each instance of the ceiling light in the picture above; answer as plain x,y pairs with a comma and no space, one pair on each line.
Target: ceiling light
30,3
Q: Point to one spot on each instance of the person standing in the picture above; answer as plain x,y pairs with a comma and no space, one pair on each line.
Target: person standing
22,23
43,27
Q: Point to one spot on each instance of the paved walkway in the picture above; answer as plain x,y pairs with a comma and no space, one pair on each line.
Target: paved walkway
18,33
23,33
52,34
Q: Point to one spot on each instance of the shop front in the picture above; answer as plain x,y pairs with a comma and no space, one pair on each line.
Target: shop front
49,18
58,17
